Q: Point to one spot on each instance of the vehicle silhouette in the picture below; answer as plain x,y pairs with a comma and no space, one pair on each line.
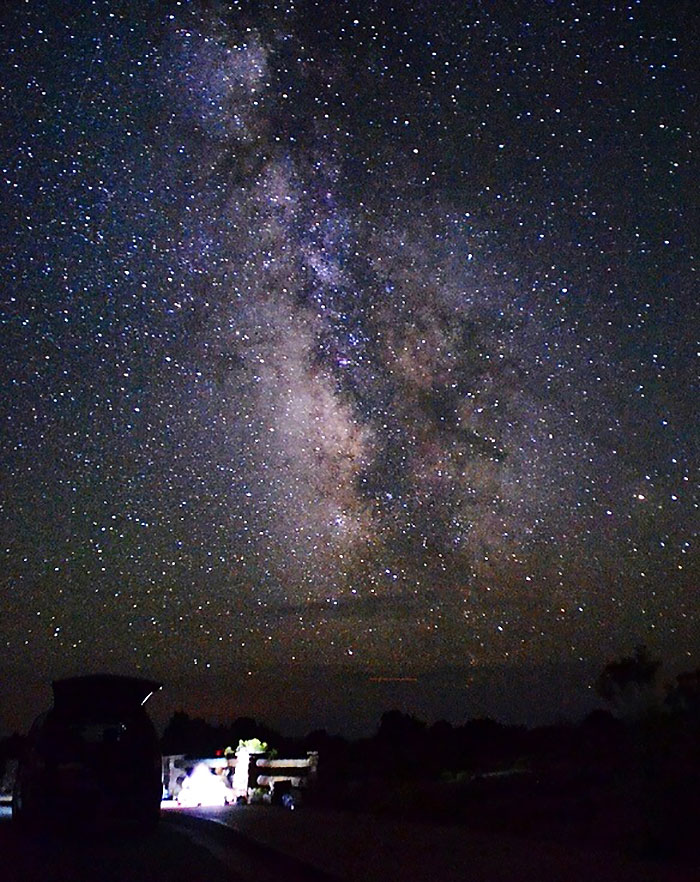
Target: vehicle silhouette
93,757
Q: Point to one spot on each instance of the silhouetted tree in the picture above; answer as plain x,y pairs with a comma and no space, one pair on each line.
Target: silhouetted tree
629,684
400,742
11,747
683,696
194,736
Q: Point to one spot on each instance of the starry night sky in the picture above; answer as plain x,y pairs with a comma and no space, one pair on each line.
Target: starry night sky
348,354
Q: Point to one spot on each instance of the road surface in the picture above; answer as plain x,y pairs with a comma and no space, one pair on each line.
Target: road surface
263,844
182,849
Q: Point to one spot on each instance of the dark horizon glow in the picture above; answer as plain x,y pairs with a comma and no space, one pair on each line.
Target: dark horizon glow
348,348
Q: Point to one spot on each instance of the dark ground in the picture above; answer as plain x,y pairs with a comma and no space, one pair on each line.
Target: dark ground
168,855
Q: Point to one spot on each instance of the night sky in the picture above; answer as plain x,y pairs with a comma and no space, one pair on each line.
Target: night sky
348,353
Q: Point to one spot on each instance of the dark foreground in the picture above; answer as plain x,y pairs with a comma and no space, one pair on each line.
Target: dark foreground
263,844
115,856
363,847
187,846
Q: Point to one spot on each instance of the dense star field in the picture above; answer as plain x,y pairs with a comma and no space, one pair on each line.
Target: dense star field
348,353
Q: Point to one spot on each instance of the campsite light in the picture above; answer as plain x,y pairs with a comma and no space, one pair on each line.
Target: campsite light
202,787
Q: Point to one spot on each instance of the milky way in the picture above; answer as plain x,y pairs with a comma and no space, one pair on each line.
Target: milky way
351,339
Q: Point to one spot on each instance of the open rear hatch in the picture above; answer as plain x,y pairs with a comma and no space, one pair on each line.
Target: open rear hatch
96,692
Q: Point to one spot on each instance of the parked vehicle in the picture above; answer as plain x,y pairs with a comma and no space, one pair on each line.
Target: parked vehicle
94,756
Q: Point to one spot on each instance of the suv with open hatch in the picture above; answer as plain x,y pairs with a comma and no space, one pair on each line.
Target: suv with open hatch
93,757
